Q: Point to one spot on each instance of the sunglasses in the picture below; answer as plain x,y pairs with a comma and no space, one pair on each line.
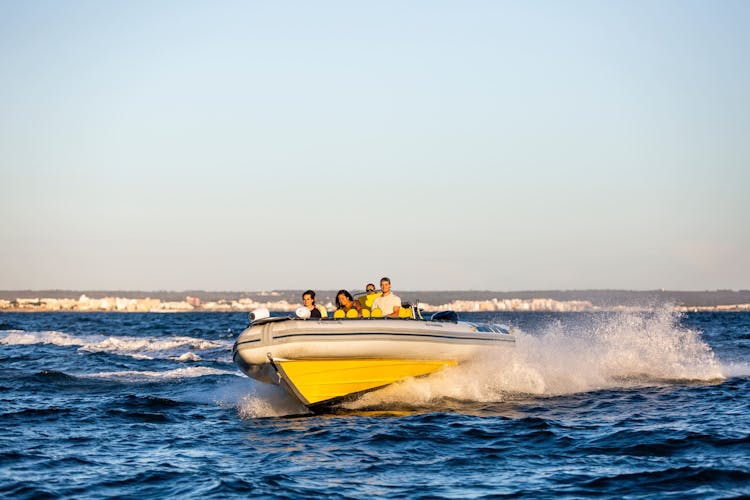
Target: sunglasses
370,289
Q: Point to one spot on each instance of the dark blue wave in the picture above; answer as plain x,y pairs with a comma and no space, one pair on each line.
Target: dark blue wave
691,480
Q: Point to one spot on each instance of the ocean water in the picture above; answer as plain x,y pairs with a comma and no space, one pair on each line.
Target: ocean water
632,405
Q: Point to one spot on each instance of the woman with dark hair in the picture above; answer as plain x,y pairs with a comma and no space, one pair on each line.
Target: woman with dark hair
316,311
345,302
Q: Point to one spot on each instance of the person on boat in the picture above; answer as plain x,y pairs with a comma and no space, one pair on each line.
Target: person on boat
316,311
388,303
369,297
345,302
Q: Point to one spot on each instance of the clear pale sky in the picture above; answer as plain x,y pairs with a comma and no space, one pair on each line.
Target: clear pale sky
494,145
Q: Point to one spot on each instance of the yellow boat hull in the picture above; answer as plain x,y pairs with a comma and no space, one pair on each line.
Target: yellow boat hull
320,382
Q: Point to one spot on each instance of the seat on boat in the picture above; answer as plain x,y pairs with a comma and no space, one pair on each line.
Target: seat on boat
367,300
351,313
376,313
405,312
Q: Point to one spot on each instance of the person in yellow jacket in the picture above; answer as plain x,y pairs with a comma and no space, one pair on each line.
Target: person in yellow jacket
370,295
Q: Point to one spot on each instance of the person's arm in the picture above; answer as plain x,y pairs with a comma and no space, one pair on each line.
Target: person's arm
396,308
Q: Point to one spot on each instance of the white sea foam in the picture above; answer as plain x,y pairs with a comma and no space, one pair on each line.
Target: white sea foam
624,350
18,337
267,400
172,347
736,369
189,356
176,348
177,373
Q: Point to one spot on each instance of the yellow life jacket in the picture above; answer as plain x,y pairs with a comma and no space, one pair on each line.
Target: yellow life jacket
367,300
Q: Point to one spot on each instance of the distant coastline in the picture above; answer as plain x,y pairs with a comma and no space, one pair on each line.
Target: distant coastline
289,300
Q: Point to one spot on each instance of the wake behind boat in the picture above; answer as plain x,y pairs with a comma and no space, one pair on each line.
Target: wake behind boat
321,362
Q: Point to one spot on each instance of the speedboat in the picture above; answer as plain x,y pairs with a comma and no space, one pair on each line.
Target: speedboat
323,362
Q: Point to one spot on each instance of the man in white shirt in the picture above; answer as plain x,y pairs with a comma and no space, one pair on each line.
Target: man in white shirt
388,302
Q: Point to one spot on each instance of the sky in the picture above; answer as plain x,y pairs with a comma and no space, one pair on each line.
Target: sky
472,145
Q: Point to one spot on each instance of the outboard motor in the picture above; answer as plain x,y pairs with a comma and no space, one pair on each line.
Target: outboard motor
445,316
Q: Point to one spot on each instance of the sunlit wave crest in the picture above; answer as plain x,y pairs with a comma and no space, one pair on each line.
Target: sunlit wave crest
150,375
175,348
